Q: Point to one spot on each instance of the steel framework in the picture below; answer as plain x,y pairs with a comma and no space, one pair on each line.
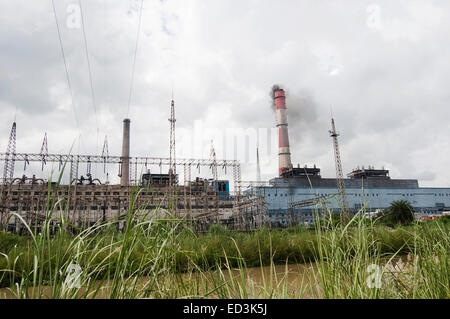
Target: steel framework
44,150
339,174
172,157
9,156
76,160
62,158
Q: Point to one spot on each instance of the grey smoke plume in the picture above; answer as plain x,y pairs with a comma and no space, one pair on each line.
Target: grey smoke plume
301,107
301,112
275,88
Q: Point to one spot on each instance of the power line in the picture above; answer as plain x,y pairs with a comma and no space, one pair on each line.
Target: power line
69,83
134,58
65,66
89,68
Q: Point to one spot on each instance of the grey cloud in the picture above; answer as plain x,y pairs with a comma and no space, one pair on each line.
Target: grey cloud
390,96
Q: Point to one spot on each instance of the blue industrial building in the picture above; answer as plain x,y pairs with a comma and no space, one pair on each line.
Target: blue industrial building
370,188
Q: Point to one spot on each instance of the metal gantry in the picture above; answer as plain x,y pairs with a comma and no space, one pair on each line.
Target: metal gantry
104,159
61,158
195,202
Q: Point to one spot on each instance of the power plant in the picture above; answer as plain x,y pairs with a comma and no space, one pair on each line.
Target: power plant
300,194
294,196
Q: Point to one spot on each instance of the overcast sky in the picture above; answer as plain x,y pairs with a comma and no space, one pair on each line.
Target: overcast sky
383,67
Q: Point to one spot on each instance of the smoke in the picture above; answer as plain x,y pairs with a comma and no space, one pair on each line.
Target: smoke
301,112
301,108
302,117
275,88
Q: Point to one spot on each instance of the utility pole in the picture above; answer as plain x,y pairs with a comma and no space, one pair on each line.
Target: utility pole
258,168
258,174
339,175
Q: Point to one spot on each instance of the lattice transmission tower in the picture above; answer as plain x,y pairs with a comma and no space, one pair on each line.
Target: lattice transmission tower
215,180
44,151
8,171
212,155
172,159
339,174
105,155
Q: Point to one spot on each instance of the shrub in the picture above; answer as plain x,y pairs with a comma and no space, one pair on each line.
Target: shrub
399,213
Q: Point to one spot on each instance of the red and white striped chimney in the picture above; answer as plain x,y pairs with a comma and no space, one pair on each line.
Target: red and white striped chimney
284,152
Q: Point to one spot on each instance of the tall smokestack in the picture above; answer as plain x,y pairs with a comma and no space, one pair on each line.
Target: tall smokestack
125,174
284,152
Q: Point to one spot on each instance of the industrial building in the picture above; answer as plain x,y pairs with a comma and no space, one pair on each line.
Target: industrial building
301,193
85,201
298,194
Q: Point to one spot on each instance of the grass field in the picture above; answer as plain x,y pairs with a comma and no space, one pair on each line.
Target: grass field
166,259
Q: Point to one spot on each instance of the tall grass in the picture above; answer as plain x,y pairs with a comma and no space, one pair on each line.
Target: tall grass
349,256
163,258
